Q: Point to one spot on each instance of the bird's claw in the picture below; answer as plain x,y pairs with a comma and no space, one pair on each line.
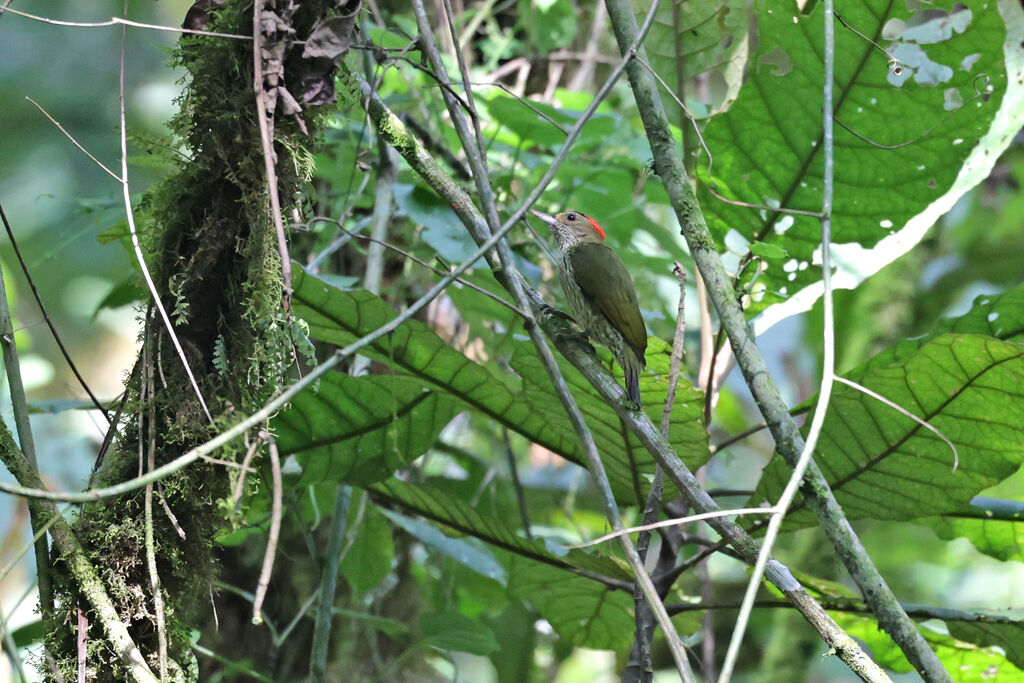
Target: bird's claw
630,404
549,311
567,333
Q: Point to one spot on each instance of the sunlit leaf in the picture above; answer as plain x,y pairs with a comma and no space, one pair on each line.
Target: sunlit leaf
361,429
531,409
882,464
368,559
456,631
767,147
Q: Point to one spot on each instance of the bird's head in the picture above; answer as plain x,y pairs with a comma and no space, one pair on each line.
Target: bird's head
572,227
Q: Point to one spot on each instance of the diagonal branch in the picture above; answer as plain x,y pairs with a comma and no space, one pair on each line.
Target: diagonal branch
788,441
267,139
19,402
472,143
77,563
391,128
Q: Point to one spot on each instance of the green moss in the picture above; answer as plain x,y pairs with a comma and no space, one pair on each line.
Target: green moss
216,264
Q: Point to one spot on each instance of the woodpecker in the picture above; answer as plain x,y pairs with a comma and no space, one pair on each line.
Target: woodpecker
600,291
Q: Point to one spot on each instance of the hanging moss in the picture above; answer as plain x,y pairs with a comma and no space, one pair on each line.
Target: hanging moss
214,258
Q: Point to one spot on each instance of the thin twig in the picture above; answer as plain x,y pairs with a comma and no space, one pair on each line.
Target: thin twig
130,215
679,521
437,271
505,271
640,656
115,21
828,364
347,235
75,142
82,644
895,406
730,440
170,514
232,665
707,347
11,648
466,83
328,586
236,495
513,469
384,195
274,532
46,317
13,561
150,541
923,612
280,639
267,138
19,402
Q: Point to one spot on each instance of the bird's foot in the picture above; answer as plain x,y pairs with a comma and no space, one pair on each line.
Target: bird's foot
629,404
549,311
567,332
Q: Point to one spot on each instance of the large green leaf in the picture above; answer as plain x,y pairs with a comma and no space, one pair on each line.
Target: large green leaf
625,460
1006,634
368,560
767,147
433,503
995,315
584,612
361,429
463,551
885,465
524,403
970,659
572,591
339,317
689,38
995,527
456,631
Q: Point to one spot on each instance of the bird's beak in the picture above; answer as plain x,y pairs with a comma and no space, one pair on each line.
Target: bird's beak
550,220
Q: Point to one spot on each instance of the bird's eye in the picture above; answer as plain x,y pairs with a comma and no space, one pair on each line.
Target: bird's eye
570,217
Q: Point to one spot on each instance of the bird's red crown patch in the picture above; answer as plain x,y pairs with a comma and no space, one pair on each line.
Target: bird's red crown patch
597,228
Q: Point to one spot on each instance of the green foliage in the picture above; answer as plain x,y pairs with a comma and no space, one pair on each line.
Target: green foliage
883,464
440,483
466,475
549,24
524,402
361,429
973,661
368,560
693,39
455,631
767,148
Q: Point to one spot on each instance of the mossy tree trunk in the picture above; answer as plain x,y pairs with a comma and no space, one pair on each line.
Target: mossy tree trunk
213,253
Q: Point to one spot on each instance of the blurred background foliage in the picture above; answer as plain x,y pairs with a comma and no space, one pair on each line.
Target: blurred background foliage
414,603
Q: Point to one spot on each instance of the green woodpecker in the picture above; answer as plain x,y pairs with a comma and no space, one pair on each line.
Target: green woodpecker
600,291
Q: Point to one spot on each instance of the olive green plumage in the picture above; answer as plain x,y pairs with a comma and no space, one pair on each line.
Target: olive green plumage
600,292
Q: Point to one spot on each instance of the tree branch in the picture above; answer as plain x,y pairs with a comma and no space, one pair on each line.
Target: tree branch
80,568
21,421
472,143
788,442
391,128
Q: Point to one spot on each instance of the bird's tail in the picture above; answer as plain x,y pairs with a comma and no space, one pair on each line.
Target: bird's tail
631,367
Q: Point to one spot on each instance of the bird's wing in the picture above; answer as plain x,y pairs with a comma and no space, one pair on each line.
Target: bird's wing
605,282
